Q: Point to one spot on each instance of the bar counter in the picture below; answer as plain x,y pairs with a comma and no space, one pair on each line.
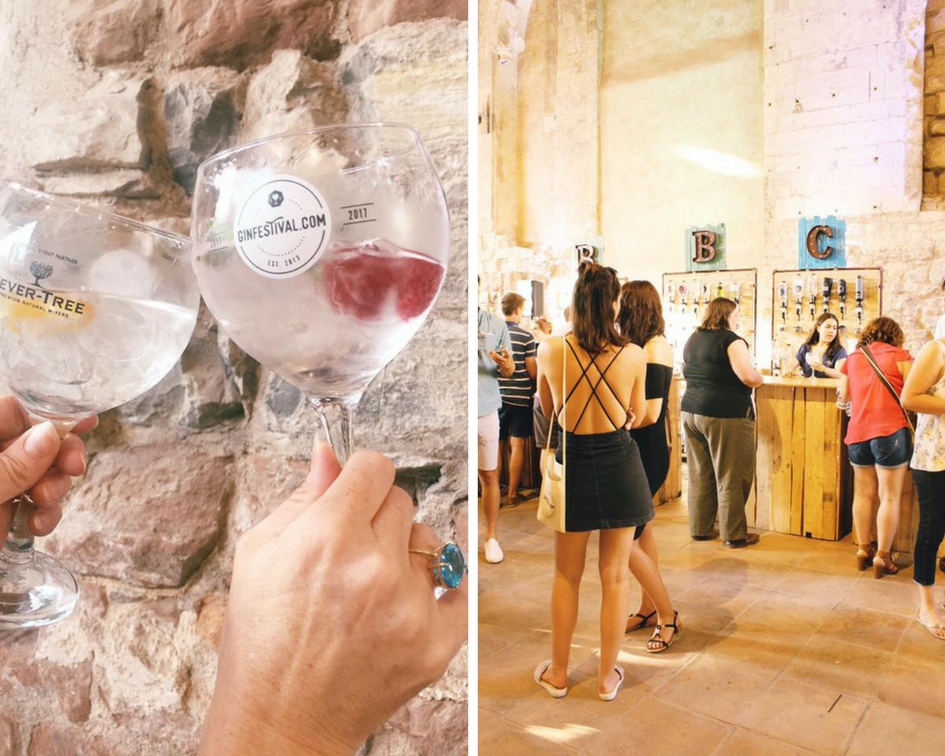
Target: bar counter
803,478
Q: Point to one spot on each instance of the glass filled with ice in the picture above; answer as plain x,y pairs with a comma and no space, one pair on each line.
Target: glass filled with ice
321,253
95,309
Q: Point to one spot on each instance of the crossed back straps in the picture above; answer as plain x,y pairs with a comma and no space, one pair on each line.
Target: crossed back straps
601,378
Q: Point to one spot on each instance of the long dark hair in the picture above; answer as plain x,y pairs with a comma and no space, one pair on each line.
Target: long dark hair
884,330
834,346
592,308
717,314
641,312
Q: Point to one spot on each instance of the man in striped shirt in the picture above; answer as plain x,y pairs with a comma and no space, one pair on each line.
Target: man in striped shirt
515,415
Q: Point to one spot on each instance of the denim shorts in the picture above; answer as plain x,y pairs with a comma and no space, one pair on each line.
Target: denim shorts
885,451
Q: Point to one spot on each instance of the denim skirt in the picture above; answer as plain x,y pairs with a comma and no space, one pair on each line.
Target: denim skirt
605,484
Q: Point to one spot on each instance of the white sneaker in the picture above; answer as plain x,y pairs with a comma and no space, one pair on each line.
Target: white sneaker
494,553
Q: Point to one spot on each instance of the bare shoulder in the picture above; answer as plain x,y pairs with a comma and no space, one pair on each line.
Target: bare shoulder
632,354
550,347
659,350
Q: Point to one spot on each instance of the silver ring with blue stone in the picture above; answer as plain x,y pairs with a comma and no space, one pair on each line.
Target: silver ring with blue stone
447,564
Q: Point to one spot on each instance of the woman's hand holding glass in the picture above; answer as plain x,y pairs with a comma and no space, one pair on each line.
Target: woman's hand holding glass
35,460
331,624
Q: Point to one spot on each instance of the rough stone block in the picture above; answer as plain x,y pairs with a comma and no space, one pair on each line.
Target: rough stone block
244,33
100,131
935,153
49,739
202,112
934,22
293,83
368,16
147,516
106,32
214,373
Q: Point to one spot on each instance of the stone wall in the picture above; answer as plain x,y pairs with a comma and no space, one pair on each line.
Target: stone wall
824,115
933,173
115,103
681,131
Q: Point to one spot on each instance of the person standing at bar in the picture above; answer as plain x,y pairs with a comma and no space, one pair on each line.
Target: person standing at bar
718,420
517,390
641,320
878,440
495,359
924,393
592,382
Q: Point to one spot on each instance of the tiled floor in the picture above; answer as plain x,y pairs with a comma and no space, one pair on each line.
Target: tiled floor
785,650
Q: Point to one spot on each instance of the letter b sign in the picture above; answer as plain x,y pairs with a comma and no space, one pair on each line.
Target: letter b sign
704,243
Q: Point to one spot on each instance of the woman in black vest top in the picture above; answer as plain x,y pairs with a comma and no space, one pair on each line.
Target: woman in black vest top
641,320
718,420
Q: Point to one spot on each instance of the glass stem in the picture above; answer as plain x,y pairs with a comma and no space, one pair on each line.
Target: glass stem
335,416
18,548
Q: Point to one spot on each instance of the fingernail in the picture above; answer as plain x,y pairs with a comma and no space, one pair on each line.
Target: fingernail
41,440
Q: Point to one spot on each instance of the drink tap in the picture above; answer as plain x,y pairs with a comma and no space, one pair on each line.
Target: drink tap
798,299
842,293
670,297
735,288
720,290
860,296
683,291
705,294
826,289
782,296
812,294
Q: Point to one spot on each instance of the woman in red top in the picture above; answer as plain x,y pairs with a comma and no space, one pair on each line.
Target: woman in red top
878,440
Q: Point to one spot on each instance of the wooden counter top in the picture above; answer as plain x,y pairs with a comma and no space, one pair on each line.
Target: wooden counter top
801,382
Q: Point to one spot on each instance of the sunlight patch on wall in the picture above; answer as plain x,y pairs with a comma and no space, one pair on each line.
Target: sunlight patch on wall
718,162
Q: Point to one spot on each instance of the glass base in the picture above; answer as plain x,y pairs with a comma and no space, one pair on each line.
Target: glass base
34,593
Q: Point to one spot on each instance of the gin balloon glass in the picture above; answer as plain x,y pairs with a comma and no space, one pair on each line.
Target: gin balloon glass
321,253
95,309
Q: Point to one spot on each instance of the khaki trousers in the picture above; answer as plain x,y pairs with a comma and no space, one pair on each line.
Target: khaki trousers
720,457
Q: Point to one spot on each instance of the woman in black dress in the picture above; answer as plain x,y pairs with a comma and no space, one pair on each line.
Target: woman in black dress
594,380
640,319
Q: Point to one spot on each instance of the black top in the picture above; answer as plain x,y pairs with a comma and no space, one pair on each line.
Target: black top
712,388
831,362
654,450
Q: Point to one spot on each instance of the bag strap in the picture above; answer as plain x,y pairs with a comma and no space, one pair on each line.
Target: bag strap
554,415
889,387
563,433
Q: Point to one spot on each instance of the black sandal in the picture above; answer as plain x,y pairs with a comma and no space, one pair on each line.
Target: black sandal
645,621
657,638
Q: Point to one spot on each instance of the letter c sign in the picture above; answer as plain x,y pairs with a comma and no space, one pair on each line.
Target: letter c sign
813,236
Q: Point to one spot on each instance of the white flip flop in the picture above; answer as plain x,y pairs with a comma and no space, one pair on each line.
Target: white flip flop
550,689
613,693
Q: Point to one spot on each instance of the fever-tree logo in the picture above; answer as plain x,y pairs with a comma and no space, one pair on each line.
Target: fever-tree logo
40,271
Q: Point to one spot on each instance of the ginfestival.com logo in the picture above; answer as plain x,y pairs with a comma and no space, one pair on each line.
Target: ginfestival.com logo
282,227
